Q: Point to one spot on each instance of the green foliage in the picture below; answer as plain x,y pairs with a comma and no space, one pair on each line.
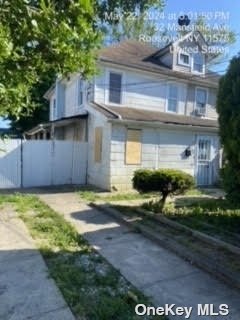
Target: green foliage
228,107
38,37
165,181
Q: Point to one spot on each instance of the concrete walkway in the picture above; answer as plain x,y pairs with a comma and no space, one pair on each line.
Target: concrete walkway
160,274
26,291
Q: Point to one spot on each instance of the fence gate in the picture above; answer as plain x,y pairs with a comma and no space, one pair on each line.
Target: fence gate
34,163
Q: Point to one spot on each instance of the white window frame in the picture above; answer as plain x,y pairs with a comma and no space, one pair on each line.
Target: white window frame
107,91
181,62
167,98
195,103
192,65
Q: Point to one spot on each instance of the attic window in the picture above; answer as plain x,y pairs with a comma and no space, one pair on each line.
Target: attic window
198,62
184,59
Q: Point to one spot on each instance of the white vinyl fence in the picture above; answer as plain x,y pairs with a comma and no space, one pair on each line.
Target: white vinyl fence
36,163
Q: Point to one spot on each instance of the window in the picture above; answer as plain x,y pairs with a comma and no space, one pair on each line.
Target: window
133,147
80,93
201,101
54,103
115,87
198,62
172,103
184,59
98,145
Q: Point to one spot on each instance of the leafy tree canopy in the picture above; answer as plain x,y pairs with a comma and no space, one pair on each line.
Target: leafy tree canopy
228,107
41,37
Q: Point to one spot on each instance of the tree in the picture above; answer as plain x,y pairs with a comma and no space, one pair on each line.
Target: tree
39,38
164,181
38,114
228,107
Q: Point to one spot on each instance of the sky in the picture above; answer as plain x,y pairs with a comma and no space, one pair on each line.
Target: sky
211,8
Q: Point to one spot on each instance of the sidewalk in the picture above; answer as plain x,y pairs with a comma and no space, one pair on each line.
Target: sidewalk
160,274
26,291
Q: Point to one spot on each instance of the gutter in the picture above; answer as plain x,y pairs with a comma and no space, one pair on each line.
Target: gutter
159,124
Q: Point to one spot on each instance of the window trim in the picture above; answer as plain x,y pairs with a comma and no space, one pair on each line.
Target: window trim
182,63
195,102
167,98
107,90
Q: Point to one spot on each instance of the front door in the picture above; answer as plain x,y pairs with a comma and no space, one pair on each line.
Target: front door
204,161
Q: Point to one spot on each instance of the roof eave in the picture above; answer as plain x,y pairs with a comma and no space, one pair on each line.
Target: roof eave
161,124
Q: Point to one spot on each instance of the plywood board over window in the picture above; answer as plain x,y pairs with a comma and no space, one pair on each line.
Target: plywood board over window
98,144
133,146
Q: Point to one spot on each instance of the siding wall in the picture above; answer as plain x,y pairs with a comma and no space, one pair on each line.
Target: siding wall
160,149
149,92
71,98
98,173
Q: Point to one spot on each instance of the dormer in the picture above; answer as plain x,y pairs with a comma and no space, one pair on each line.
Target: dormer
189,54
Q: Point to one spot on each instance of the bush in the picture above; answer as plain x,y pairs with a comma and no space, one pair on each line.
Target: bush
166,181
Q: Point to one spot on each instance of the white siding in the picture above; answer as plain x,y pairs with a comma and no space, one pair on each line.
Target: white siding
161,148
148,92
98,173
71,97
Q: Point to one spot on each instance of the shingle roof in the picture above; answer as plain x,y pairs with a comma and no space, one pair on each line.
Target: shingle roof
142,115
134,54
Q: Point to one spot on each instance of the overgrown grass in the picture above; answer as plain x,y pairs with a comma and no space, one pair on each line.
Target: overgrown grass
93,289
92,196
217,217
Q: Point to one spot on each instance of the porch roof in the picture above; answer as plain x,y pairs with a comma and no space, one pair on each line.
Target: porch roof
143,115
57,123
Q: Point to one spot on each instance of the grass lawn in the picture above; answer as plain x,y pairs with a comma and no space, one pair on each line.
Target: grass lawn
93,289
216,217
92,196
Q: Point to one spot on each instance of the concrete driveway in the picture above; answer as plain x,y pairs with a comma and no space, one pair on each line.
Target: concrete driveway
158,273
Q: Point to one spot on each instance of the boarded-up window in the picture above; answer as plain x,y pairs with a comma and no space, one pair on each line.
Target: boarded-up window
98,144
133,147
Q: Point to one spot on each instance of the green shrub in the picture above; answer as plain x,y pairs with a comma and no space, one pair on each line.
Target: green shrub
165,181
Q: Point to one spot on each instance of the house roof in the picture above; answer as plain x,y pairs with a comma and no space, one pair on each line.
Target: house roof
139,55
58,123
141,115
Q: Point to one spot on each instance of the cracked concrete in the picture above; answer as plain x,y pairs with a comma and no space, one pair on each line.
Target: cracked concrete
160,274
26,291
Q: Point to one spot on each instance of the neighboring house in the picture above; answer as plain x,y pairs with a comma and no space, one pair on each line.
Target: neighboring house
148,108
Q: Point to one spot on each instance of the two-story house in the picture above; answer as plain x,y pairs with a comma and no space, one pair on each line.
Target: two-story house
148,108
